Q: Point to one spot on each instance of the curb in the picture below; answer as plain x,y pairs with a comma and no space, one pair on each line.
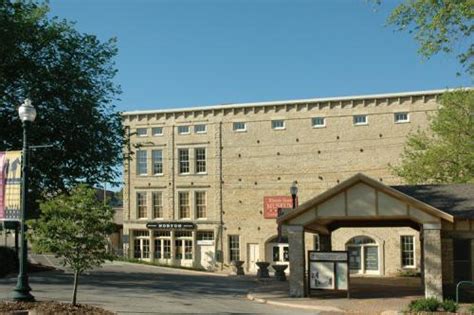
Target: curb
320,308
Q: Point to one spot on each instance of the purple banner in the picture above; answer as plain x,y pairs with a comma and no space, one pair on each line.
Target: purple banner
3,178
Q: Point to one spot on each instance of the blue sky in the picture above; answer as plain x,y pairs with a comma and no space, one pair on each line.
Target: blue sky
175,53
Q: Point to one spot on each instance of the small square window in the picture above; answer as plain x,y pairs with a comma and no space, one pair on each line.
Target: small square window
360,120
141,132
182,130
318,122
157,131
401,118
278,124
200,128
240,126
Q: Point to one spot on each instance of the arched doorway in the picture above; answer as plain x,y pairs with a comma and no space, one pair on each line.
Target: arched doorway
363,255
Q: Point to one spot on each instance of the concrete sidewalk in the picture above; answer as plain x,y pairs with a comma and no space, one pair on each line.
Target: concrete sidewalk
369,296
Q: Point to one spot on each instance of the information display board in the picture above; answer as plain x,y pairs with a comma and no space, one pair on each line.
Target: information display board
328,271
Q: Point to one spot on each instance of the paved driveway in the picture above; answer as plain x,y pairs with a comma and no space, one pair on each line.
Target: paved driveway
140,289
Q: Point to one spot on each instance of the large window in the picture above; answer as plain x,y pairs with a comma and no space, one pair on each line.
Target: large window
183,245
141,205
205,235
200,154
183,159
234,247
141,162
157,204
200,201
157,161
141,244
162,244
408,251
183,203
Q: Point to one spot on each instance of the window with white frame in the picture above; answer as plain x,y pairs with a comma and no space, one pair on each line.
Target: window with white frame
234,247
401,117
201,128
162,244
141,205
408,250
278,124
360,120
157,204
157,131
157,162
200,156
183,130
183,245
183,161
183,205
141,162
142,132
200,203
239,126
318,122
141,244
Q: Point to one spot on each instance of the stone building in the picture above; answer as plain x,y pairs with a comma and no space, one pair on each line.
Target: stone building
203,184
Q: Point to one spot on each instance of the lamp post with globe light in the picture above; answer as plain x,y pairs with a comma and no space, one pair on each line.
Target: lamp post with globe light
27,114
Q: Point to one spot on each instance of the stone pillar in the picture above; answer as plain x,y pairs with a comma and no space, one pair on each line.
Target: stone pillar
297,260
432,261
325,243
173,248
152,245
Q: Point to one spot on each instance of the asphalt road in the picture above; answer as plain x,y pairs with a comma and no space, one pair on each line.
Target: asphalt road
140,289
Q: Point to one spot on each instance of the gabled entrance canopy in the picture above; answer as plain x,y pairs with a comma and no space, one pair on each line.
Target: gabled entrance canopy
362,199
364,202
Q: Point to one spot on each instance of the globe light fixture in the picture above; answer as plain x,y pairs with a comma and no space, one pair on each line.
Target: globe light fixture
27,111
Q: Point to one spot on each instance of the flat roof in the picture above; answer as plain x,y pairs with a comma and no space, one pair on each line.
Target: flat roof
288,102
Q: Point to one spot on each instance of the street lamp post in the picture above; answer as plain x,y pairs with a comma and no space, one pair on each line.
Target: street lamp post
294,192
22,290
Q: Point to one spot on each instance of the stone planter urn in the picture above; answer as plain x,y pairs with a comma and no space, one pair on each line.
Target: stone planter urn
280,272
263,269
238,269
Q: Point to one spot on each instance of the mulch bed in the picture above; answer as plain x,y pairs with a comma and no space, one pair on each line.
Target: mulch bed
51,308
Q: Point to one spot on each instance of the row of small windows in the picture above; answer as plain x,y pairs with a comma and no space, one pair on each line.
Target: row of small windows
319,122
184,165
276,124
182,130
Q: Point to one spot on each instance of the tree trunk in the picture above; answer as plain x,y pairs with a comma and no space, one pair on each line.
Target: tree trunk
74,292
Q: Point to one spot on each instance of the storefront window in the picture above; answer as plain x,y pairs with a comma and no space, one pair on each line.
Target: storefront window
188,249
166,249
286,256
276,253
178,244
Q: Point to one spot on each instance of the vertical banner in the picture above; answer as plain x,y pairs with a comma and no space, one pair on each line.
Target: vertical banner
12,185
3,169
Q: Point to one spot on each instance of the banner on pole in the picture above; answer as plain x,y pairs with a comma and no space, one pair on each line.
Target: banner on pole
10,181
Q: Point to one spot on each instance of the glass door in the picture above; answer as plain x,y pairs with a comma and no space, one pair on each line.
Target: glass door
371,259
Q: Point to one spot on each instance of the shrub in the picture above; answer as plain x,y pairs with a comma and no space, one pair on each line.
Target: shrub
450,306
424,305
9,261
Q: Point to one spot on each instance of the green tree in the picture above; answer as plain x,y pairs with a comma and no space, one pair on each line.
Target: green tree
444,154
74,227
69,77
439,26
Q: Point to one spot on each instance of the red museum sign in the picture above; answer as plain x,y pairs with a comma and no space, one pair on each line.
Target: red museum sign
272,203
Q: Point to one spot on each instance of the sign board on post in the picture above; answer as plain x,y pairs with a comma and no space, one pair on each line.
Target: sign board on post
328,270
